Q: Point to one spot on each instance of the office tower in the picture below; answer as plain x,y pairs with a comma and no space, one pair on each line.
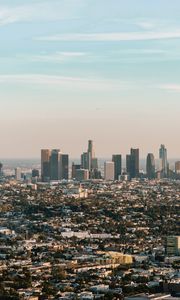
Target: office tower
163,157
45,164
35,173
75,167
116,158
172,245
132,163
91,153
128,164
96,174
89,161
109,170
150,166
177,167
91,148
55,164
94,163
64,166
82,174
85,161
88,158
18,174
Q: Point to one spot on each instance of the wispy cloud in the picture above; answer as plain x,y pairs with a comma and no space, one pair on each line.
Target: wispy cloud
111,37
58,57
171,87
67,82
39,11
147,25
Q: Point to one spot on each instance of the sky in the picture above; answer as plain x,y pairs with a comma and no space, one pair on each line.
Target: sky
73,70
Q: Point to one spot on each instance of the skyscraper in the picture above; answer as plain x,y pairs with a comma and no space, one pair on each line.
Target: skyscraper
177,167
89,161
18,174
82,174
116,158
91,149
132,163
45,164
109,170
55,164
75,167
164,162
64,166
85,161
35,173
128,163
150,166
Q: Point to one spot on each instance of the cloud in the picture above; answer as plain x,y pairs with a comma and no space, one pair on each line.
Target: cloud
66,82
147,25
58,57
111,37
39,11
171,87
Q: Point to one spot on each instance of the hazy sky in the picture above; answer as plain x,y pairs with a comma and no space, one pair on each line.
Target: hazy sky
108,70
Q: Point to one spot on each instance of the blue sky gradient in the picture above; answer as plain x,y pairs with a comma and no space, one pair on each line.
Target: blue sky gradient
77,69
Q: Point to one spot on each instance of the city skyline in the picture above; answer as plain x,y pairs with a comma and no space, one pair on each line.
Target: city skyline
142,154
73,69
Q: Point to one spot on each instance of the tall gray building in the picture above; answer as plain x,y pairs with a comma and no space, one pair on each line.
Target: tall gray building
45,164
164,162
55,164
150,166
89,161
85,161
132,163
64,166
117,159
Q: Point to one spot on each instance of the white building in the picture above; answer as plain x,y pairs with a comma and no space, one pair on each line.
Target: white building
18,174
109,170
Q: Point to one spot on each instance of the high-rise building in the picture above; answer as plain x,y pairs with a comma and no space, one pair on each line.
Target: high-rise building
55,164
150,166
163,157
128,164
116,158
35,173
109,170
94,163
91,153
85,161
82,174
45,164
89,161
75,167
18,174
132,163
64,166
177,167
172,245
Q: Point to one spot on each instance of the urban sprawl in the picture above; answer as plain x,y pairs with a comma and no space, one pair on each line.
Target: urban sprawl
85,232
